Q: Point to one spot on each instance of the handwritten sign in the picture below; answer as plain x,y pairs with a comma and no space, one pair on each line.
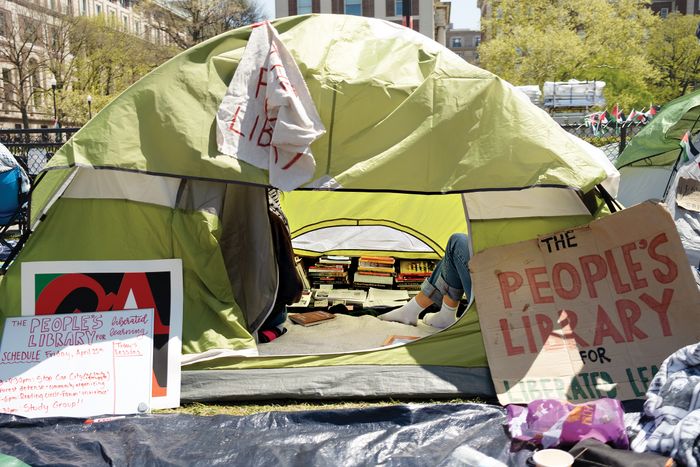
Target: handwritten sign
267,117
688,194
77,365
589,312
70,287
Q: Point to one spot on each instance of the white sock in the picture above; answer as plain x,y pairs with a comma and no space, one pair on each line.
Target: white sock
443,318
407,314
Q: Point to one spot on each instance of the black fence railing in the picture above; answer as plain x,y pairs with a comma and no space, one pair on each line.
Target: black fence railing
35,146
612,139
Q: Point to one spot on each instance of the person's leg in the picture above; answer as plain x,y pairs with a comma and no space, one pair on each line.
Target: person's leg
455,269
455,274
444,287
429,294
408,313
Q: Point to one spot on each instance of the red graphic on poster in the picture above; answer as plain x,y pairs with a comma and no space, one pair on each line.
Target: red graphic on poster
88,292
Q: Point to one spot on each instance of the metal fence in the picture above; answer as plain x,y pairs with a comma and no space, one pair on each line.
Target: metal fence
610,139
35,146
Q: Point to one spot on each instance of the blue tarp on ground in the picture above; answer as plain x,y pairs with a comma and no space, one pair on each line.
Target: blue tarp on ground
406,435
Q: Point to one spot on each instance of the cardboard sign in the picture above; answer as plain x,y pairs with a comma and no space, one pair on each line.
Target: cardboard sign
85,286
586,313
688,194
77,365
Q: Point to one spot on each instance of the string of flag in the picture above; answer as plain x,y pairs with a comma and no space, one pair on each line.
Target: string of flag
616,119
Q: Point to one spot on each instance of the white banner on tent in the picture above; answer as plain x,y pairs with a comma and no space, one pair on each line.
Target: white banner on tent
267,117
77,365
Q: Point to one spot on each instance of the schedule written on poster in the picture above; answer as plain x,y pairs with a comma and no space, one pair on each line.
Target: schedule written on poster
78,365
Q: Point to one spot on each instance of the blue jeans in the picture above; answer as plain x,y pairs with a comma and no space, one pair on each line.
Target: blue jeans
451,275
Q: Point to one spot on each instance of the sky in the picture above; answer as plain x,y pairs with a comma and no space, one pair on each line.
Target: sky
464,13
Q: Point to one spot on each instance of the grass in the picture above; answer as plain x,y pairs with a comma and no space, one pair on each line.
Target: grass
249,408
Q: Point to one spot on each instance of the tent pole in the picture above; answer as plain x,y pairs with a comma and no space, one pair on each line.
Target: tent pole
330,134
673,172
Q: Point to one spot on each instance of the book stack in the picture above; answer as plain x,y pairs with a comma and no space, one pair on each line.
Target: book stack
412,273
330,270
375,271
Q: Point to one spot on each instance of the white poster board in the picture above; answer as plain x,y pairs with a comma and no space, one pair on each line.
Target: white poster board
77,365
57,287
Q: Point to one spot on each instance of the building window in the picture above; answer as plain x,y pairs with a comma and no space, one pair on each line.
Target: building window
6,87
31,29
98,9
353,7
398,8
477,41
83,7
137,28
304,7
663,12
35,85
125,20
53,36
456,43
3,23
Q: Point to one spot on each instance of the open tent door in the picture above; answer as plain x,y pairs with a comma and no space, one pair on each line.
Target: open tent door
355,224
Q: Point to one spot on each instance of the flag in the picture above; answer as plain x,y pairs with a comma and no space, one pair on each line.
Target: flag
690,152
593,121
267,117
635,117
616,115
651,113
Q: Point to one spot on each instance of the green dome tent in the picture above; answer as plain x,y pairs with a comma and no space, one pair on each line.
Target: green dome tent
404,115
646,164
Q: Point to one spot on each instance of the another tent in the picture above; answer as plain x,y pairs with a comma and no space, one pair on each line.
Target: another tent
144,180
647,163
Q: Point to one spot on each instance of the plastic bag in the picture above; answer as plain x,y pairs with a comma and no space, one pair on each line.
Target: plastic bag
550,423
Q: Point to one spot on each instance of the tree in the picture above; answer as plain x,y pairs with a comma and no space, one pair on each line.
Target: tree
675,52
62,40
104,61
189,22
548,40
22,50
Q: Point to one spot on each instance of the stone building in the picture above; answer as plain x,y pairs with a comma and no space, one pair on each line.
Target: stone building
686,7
464,42
38,85
430,18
